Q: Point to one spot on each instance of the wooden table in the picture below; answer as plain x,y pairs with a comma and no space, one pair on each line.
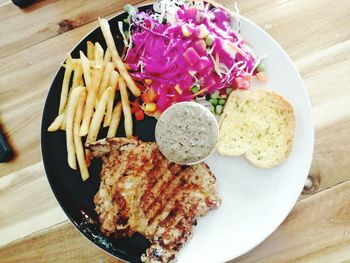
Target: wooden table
33,43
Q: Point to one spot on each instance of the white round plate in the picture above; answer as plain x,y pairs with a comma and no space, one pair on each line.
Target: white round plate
255,201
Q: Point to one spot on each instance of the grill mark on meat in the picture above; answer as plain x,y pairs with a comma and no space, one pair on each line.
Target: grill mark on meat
148,197
160,175
121,203
131,164
169,187
136,178
176,201
141,175
179,213
170,218
166,230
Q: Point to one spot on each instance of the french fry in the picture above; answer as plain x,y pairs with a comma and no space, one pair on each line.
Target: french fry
119,63
126,108
115,65
77,61
90,101
63,123
86,69
56,124
109,109
78,75
65,84
98,116
113,80
105,79
90,50
116,115
72,105
77,139
107,58
98,54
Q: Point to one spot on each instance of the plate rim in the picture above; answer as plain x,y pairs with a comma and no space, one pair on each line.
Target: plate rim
307,162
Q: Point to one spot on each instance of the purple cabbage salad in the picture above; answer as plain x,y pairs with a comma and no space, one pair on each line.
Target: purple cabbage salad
186,50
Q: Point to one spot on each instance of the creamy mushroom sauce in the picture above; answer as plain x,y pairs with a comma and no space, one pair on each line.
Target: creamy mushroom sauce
186,133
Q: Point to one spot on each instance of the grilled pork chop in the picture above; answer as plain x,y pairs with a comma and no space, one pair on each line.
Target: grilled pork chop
141,191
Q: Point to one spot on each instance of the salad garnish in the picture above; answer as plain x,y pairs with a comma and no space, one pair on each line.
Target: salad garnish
183,51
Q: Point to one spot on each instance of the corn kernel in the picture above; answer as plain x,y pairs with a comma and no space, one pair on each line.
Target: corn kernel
186,30
148,81
150,107
178,89
203,31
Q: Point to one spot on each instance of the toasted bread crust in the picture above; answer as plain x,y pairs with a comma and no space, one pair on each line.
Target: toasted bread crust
259,124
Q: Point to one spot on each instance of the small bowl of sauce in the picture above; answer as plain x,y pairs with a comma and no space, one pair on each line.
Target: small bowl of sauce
186,133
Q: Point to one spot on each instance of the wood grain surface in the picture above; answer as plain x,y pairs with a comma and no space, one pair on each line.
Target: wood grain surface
35,40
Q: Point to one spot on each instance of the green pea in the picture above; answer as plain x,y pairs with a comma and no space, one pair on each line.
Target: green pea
215,94
211,108
218,109
229,90
222,102
260,67
195,89
213,102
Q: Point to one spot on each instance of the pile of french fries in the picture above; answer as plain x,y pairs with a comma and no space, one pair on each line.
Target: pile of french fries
87,101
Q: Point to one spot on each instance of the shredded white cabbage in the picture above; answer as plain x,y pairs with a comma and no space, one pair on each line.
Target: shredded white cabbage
238,18
217,64
120,26
210,51
199,5
241,69
223,68
229,48
233,66
257,62
141,65
167,9
129,44
213,59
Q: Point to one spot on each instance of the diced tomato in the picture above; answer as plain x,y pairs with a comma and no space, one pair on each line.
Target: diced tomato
144,98
242,82
135,103
139,115
134,109
140,86
149,96
135,106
